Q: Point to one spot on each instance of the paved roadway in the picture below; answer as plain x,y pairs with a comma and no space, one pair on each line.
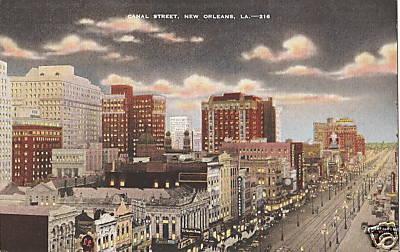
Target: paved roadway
308,235
355,233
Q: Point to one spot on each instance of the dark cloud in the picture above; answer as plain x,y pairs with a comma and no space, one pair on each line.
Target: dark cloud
339,30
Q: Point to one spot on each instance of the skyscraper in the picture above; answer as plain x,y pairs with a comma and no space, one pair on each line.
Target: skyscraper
236,116
177,126
148,115
33,142
116,121
60,95
5,125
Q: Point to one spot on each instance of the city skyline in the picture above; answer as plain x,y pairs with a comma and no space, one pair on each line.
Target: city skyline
312,71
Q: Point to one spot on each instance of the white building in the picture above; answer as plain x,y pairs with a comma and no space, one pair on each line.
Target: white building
177,126
77,162
5,125
196,136
106,233
58,94
278,126
214,189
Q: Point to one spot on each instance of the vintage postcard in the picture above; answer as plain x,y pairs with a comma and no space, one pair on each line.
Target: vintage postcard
149,125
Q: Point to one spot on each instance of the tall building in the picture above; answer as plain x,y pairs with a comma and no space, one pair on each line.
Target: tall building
5,125
148,115
60,95
126,117
32,144
278,122
116,119
236,116
196,140
177,126
348,140
229,176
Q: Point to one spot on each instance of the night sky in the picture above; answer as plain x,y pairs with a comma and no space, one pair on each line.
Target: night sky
318,59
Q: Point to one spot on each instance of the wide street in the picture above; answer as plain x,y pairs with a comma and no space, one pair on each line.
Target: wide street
303,230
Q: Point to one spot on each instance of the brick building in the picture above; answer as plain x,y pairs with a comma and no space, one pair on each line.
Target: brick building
348,140
115,118
126,117
292,152
32,145
236,116
148,115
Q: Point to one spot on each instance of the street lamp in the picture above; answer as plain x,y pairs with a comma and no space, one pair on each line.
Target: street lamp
324,232
329,191
322,200
352,195
282,229
341,182
312,203
334,187
336,219
358,199
345,215
297,212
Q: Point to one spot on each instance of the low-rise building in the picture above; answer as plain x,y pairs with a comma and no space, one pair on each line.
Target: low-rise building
106,233
44,228
124,218
77,162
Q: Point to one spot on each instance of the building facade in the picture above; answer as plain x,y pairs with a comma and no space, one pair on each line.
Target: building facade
177,125
106,233
124,228
62,96
116,119
291,152
237,117
197,140
126,117
148,115
348,140
33,142
78,162
5,125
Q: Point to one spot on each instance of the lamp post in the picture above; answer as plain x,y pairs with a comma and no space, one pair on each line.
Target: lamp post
345,214
341,182
322,200
352,195
329,191
334,187
358,199
365,187
336,219
324,232
312,203
369,184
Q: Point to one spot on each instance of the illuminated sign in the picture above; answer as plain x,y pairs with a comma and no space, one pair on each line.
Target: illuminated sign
87,243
